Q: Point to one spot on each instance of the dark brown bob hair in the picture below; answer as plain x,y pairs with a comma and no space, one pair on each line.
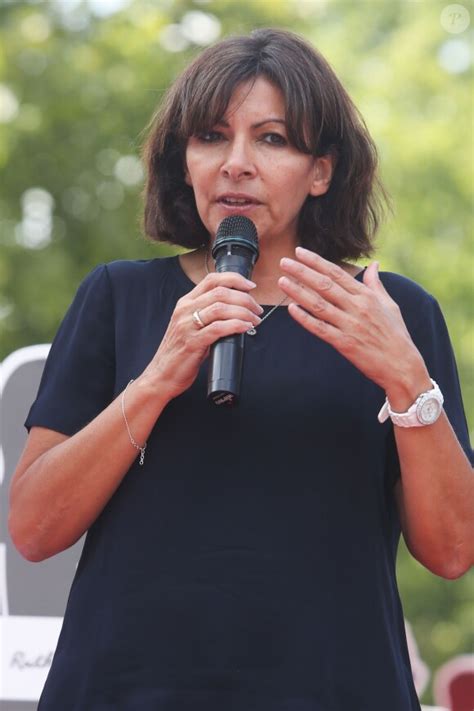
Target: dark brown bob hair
321,119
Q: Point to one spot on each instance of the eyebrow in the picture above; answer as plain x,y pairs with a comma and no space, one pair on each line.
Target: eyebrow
225,124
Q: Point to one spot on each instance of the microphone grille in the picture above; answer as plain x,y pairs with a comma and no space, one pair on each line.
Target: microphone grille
237,226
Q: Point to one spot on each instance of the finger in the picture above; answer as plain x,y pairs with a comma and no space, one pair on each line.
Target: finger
220,329
231,280
224,295
220,311
373,282
372,279
315,281
313,302
334,272
326,331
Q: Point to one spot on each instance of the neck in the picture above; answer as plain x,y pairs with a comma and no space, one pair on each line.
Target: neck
266,272
267,267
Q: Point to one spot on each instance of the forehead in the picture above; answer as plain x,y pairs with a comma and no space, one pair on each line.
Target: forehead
259,99
253,99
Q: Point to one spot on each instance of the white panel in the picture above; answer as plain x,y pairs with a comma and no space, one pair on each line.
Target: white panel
27,645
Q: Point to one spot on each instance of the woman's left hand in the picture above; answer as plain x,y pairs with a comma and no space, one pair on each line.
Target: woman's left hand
435,492
359,319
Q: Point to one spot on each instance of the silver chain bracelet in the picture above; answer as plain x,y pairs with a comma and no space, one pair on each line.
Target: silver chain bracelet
137,446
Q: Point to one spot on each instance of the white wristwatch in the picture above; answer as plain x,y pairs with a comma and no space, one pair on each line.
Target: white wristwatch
425,410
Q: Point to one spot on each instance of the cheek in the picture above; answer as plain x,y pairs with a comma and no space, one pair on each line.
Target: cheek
196,177
292,176
292,188
192,173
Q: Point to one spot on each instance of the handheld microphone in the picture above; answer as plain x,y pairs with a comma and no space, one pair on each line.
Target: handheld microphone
235,250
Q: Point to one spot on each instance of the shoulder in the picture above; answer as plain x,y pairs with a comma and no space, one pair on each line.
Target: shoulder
124,275
130,270
129,283
405,291
412,298
420,309
135,285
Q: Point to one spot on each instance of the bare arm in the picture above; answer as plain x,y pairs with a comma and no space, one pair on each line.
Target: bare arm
436,492
61,483
435,497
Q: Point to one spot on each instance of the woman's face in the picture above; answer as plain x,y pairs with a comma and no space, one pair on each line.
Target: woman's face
245,166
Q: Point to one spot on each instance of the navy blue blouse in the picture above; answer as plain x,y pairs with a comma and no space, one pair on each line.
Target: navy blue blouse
249,565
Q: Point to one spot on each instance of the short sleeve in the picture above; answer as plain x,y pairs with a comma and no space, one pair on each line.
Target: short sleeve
79,374
432,340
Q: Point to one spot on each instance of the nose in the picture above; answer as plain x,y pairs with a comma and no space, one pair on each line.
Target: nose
238,161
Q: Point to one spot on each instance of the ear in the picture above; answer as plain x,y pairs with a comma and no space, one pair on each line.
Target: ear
323,171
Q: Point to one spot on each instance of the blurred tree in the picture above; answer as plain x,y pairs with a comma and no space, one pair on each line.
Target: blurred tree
78,82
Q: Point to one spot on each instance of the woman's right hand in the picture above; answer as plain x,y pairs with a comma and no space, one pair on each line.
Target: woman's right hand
61,484
225,307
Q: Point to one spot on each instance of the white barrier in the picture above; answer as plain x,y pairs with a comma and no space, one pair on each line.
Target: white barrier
27,648
32,596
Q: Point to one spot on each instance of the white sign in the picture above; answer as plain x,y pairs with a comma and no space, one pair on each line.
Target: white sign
27,646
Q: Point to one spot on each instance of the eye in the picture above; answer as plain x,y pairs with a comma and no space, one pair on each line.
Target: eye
274,139
209,137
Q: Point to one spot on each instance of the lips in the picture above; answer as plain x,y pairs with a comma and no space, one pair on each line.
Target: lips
237,200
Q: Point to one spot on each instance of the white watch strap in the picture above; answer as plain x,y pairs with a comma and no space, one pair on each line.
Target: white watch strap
384,413
410,418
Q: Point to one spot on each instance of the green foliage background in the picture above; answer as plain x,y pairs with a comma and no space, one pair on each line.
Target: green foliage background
78,84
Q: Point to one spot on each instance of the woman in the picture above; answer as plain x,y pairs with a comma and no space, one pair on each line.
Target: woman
246,558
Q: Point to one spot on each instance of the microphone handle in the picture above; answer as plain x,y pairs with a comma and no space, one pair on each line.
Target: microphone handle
227,354
225,370
235,262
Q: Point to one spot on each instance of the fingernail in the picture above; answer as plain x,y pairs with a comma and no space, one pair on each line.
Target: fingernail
302,250
251,283
260,309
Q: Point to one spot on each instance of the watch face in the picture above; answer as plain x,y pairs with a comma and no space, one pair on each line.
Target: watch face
429,410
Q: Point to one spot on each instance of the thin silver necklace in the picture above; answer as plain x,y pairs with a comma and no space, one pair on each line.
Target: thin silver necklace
252,331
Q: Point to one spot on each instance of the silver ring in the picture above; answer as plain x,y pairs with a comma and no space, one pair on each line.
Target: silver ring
197,320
